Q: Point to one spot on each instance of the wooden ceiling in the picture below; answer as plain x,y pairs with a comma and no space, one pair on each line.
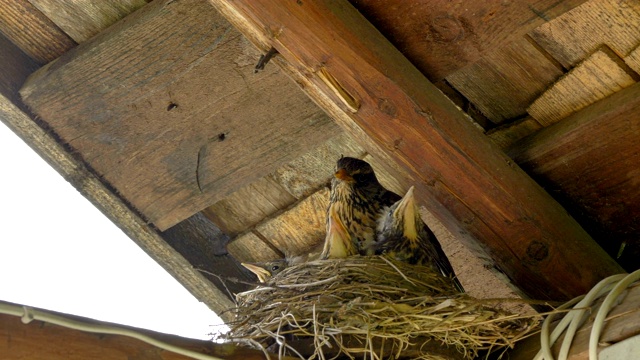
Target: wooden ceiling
155,113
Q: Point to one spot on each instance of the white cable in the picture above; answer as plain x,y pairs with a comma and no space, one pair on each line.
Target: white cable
29,314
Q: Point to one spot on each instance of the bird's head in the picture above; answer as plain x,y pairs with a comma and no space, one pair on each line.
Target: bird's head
354,171
401,219
266,270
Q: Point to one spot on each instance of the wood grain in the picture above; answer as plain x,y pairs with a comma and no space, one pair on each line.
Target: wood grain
590,160
633,60
466,181
32,31
441,37
508,134
166,107
39,340
250,247
597,77
505,82
578,33
82,19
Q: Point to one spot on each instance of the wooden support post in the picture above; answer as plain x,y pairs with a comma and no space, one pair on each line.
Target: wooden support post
374,93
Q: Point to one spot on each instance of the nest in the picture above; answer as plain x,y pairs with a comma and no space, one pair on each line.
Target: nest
371,307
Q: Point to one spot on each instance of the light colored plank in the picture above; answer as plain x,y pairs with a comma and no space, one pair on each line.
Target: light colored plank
508,134
573,36
301,228
82,19
597,77
167,108
375,94
441,37
249,205
505,82
250,248
92,187
32,31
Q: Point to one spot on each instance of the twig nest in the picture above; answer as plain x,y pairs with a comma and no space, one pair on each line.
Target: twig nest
371,307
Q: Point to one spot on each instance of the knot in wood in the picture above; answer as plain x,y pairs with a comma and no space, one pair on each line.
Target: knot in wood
537,251
446,28
387,107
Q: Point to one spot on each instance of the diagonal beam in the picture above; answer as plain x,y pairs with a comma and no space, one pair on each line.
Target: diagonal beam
348,68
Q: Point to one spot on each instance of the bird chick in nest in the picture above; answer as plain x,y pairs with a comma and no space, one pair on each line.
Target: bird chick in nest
357,198
337,244
403,236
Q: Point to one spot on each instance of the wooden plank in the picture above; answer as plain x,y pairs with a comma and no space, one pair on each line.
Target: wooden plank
39,340
573,36
249,205
182,120
251,248
597,77
633,60
443,36
508,134
374,93
505,82
32,31
301,228
82,19
91,186
622,323
16,67
591,159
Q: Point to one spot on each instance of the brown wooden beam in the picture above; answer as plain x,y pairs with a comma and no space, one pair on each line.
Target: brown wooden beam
373,92
40,340
589,162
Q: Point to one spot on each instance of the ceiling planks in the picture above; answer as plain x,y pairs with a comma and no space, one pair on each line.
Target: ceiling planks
182,120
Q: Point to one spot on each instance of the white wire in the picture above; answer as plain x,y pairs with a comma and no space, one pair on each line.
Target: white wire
29,314
614,285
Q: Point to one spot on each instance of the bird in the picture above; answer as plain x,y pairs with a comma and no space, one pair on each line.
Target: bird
357,198
403,236
266,270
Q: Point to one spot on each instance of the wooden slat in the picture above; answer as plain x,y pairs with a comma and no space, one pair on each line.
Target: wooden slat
32,31
250,248
633,60
581,31
39,340
505,82
508,134
82,19
597,77
91,187
16,67
443,36
167,108
301,228
591,159
373,92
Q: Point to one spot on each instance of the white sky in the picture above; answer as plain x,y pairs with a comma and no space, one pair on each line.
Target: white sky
58,252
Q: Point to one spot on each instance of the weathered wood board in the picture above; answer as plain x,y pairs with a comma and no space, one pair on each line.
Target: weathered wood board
505,82
166,108
443,36
633,60
374,93
573,36
34,33
250,247
597,77
82,19
508,134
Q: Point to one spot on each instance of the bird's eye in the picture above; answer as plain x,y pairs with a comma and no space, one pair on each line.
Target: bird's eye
275,267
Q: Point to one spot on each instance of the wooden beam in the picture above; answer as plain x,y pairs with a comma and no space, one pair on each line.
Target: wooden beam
374,93
442,36
167,108
39,340
32,31
590,161
90,186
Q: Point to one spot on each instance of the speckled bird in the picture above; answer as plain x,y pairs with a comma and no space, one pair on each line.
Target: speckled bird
358,199
337,243
403,236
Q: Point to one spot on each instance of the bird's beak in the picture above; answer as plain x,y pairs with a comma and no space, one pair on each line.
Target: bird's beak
343,175
262,273
406,211
338,242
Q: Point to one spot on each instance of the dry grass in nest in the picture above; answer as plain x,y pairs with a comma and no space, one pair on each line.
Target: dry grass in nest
371,307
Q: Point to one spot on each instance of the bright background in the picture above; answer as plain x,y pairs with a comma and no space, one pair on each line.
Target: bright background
58,252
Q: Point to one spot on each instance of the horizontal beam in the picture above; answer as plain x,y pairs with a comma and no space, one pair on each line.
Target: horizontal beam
475,190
